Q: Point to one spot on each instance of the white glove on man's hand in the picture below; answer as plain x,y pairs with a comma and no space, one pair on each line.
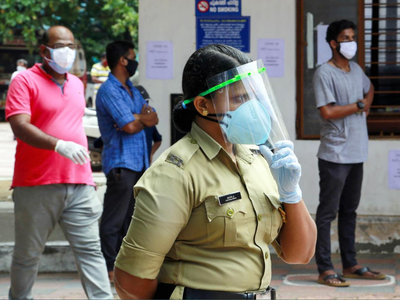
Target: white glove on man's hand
75,152
286,170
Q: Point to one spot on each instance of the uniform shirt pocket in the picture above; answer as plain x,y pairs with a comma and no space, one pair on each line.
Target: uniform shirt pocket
227,224
275,221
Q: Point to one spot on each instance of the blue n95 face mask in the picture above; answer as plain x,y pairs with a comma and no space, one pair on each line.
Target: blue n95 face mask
62,59
250,123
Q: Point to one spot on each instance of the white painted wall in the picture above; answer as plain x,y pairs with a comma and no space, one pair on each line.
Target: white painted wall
174,20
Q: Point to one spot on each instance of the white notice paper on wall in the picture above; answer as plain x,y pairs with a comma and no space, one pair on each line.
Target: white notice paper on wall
394,169
159,60
272,53
323,50
310,40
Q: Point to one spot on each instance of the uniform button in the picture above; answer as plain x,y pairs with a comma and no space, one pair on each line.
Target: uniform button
266,255
230,212
259,217
193,141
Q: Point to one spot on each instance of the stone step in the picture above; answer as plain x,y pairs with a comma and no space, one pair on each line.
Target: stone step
7,218
57,255
7,225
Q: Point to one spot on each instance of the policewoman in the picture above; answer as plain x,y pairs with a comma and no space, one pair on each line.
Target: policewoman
210,205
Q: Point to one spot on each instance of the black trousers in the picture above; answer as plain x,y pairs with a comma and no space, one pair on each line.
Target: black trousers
118,210
340,192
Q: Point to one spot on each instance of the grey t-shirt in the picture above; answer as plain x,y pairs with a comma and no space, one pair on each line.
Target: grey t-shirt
342,140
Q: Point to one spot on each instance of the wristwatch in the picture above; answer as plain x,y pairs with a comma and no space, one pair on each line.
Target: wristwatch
360,105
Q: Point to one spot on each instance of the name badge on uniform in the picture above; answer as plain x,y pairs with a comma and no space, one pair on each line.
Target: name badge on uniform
229,198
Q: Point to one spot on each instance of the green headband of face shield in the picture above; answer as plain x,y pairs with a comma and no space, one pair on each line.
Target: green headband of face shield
221,85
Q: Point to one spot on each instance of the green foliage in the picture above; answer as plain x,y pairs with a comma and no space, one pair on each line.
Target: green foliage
94,23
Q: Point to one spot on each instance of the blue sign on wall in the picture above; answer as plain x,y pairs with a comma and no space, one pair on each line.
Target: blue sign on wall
218,8
234,31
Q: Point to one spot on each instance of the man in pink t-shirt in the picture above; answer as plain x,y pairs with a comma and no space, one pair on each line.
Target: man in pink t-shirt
52,177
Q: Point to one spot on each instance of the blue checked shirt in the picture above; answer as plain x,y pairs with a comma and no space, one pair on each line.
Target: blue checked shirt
115,106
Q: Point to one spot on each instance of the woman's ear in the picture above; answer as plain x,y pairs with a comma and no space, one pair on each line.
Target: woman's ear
202,105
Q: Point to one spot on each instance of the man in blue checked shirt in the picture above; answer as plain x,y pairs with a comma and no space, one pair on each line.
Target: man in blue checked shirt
123,114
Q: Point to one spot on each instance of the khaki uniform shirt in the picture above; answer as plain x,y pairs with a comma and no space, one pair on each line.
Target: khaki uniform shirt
180,233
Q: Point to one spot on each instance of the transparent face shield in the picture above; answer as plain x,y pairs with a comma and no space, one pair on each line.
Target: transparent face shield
245,106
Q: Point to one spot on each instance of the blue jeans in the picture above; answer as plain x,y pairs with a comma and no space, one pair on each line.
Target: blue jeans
340,193
37,211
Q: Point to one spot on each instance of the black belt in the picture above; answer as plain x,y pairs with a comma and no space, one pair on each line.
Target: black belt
165,290
190,293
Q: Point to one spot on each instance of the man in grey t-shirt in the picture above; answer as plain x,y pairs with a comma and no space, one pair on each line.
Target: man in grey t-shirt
343,96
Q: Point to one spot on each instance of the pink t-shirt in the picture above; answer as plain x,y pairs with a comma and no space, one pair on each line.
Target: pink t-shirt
56,113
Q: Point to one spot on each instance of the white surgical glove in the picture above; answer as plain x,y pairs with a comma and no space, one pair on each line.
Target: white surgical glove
286,171
75,152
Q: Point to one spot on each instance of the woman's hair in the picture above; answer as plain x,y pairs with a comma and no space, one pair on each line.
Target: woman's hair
203,64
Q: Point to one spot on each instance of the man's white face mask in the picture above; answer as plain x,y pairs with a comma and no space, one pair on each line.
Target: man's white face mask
62,59
348,49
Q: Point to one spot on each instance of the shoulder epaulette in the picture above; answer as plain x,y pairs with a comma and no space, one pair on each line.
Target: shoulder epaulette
182,151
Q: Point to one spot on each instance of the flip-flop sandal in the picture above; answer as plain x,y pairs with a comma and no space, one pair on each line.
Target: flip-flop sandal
342,282
360,274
